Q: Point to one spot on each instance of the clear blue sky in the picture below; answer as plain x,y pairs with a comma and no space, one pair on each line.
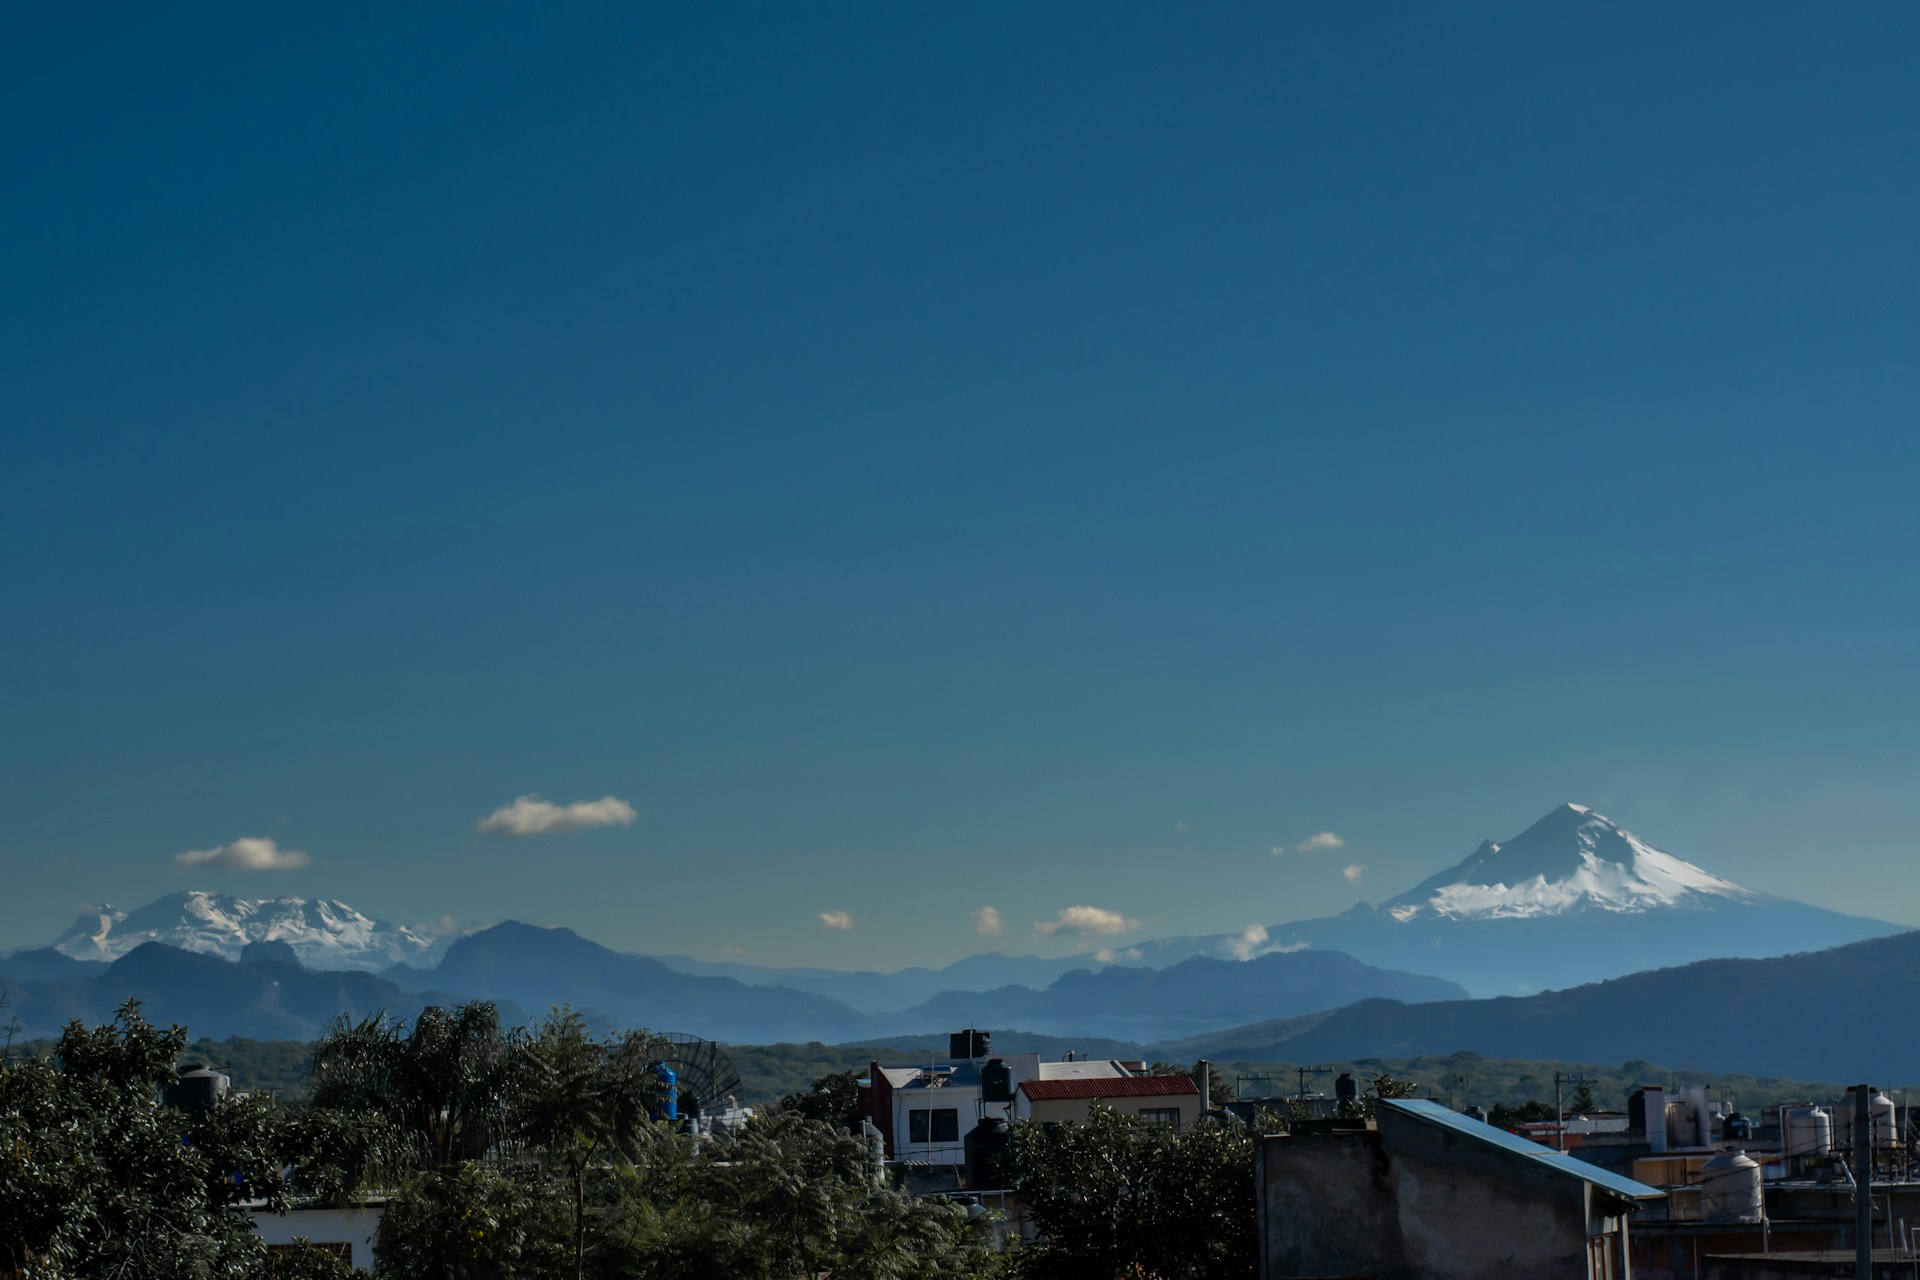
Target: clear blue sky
923,458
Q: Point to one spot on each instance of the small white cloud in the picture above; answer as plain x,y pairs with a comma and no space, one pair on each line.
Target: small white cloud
1180,826
838,920
733,951
1107,955
987,923
249,853
1084,920
1319,840
1355,873
1253,942
1247,943
532,816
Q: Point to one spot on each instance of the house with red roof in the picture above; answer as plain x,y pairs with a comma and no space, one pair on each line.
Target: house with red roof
1170,1100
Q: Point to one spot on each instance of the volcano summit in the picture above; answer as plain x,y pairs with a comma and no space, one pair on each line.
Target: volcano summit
1574,898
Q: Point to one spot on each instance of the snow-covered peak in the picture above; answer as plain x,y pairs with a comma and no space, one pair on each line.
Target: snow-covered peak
1571,860
323,932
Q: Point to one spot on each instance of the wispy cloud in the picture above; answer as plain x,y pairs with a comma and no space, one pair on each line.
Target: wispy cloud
987,923
1254,941
733,951
1355,873
1314,843
532,816
839,920
249,853
1247,943
1086,920
1107,955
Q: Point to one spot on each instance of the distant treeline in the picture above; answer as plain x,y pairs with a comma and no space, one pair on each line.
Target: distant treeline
771,1071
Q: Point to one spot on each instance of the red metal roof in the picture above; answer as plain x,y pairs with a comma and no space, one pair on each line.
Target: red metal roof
1108,1087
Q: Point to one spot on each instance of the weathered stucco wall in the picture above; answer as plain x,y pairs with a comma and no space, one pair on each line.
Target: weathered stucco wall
1412,1201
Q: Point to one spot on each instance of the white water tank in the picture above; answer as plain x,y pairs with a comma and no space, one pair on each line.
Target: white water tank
1886,1123
1730,1189
1807,1132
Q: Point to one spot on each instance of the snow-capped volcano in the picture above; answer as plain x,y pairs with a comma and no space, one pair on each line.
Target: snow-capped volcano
323,932
1572,860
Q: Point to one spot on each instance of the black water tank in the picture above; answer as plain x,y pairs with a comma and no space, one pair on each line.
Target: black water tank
966,1045
996,1081
986,1147
1346,1088
198,1088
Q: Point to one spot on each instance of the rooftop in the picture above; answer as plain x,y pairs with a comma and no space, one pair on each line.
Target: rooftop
1435,1114
1111,1087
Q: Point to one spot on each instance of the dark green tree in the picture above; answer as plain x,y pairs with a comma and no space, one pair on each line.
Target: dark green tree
98,1178
478,1220
1582,1101
443,1084
581,1103
1117,1193
833,1099
1533,1111
792,1197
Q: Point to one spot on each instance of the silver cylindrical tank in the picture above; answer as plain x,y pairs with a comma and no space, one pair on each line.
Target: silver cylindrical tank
1806,1132
1730,1189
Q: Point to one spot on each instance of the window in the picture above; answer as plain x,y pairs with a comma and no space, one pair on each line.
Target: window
1161,1115
939,1125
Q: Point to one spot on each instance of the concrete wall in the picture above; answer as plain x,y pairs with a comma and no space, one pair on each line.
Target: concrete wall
330,1224
1414,1200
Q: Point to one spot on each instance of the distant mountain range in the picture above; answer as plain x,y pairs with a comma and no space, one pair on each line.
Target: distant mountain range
1833,1014
1572,899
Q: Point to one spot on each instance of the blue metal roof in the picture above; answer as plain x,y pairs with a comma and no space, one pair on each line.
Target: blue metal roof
1445,1117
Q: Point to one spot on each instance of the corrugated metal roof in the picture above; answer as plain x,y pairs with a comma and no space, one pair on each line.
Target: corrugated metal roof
1434,1113
1116,1087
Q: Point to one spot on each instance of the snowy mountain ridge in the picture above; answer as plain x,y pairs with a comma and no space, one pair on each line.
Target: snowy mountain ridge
1572,860
323,932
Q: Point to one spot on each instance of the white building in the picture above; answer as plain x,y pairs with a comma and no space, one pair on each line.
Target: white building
925,1110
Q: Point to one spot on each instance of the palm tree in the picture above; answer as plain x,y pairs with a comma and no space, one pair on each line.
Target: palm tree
443,1083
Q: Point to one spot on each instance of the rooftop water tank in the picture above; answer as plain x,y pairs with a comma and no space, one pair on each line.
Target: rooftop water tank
1346,1088
1806,1132
1886,1121
964,1046
1730,1189
1738,1128
986,1147
996,1081
669,1091
198,1087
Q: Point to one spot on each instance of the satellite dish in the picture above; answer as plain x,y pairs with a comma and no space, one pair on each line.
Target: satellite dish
706,1074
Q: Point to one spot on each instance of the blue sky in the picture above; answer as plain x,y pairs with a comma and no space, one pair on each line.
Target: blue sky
927,459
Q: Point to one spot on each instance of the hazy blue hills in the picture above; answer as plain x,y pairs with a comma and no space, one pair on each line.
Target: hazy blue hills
873,992
1140,1004
264,995
537,968
1833,1014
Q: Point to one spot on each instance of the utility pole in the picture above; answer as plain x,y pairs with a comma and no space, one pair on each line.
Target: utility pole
1862,1181
1307,1073
1559,1113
